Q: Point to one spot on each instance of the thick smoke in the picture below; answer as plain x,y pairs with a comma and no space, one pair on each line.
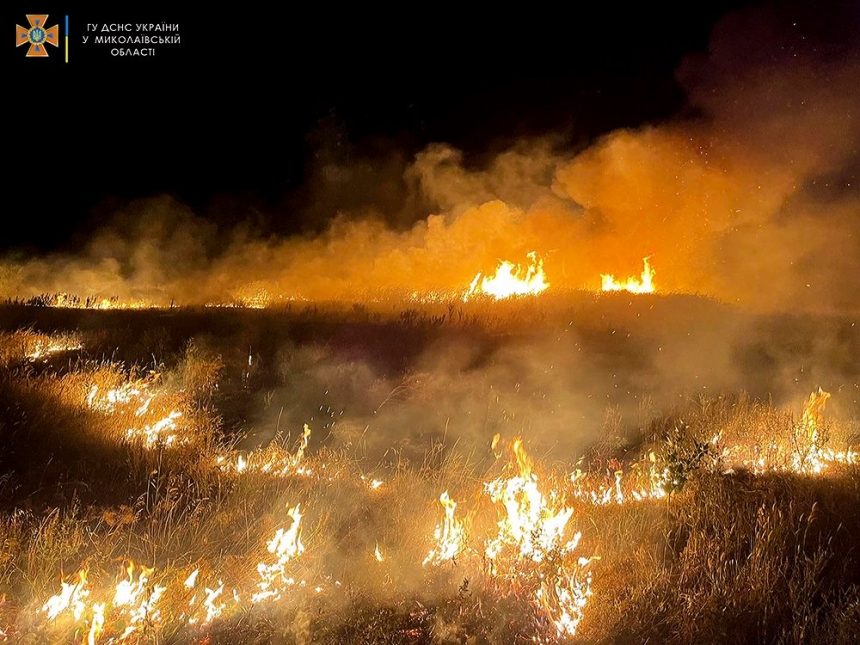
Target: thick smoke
750,196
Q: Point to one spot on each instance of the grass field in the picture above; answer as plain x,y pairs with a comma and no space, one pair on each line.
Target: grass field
616,469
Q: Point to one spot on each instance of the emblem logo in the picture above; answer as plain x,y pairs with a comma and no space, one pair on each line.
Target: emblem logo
37,35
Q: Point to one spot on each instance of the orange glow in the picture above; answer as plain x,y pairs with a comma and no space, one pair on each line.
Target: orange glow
285,545
645,283
532,529
150,412
449,535
522,530
804,453
511,280
272,460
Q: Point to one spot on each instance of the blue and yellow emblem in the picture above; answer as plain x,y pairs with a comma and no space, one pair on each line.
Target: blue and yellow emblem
37,35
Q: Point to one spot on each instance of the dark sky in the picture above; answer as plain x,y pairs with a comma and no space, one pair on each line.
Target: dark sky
232,117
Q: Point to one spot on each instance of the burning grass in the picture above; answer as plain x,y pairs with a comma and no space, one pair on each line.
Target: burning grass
137,507
644,284
27,346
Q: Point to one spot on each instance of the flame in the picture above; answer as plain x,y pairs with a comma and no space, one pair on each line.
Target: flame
97,623
253,296
813,414
646,480
511,280
530,551
531,524
191,580
133,604
813,456
72,597
805,452
531,534
645,283
285,545
273,460
136,599
449,535
213,609
40,347
150,412
63,300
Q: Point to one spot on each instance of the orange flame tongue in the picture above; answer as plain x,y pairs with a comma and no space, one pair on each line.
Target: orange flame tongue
511,280
813,412
450,534
645,283
524,462
532,537
72,597
285,545
531,524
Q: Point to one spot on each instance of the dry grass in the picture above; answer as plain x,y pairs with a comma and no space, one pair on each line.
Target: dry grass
724,558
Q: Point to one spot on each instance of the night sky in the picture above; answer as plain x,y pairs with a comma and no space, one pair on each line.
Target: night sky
231,120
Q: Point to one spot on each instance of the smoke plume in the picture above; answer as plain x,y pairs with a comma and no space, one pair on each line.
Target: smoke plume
750,196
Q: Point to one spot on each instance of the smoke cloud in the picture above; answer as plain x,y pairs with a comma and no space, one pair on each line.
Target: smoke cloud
750,196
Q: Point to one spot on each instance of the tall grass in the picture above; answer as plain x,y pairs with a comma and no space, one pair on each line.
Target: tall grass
726,557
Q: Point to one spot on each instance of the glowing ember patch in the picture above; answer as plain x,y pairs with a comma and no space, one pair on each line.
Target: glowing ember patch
645,283
511,280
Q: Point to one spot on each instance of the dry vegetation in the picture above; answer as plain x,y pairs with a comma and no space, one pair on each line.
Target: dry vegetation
140,447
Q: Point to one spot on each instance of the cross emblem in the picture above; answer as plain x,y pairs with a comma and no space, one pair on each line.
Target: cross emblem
37,35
